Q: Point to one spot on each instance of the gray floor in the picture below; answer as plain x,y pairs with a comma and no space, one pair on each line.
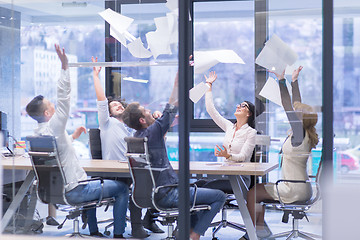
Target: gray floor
273,219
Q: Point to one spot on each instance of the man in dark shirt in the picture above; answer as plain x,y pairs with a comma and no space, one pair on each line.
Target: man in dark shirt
141,119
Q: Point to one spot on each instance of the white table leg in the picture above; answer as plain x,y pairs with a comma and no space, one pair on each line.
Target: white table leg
240,191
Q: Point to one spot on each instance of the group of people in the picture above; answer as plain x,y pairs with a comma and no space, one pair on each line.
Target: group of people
115,119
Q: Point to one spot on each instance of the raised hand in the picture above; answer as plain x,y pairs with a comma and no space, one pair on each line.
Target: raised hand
279,76
295,73
212,77
157,114
62,56
78,131
96,69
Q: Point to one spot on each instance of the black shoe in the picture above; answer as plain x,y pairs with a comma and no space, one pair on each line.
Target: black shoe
152,226
118,236
139,232
51,221
96,234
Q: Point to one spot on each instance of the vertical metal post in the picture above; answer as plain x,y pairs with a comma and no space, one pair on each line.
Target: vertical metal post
327,105
185,74
112,50
261,18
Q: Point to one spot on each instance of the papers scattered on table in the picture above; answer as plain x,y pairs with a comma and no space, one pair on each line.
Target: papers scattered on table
276,55
271,91
214,163
198,91
203,60
233,164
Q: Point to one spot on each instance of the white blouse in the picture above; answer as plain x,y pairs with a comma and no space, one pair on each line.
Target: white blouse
242,144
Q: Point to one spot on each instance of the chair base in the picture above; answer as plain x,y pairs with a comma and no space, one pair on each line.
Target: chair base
223,224
295,234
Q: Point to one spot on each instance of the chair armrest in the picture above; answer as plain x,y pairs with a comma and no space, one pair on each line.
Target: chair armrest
165,186
176,185
93,179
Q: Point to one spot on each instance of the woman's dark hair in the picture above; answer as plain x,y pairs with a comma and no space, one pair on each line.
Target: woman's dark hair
251,118
36,108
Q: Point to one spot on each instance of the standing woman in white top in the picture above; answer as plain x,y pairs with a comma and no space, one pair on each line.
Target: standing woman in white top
296,150
239,141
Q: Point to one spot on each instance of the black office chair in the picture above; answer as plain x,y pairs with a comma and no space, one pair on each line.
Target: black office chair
144,188
51,180
297,209
95,143
96,153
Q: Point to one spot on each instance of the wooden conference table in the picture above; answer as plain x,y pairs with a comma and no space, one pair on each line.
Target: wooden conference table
115,168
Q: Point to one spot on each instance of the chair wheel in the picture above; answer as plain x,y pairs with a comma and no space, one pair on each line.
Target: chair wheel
215,238
107,233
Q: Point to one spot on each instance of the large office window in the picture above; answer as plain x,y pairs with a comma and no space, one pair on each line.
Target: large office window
29,66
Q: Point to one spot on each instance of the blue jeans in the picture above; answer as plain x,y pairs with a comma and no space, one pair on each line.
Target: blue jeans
202,219
92,191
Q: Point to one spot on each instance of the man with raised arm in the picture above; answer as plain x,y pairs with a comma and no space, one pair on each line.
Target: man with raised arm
112,134
53,121
141,119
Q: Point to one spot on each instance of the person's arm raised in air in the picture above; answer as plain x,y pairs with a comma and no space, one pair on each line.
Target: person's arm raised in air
296,97
102,104
210,107
174,97
100,94
62,111
163,123
295,122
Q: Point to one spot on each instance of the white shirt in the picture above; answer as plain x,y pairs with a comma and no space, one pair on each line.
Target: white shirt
56,127
112,134
242,144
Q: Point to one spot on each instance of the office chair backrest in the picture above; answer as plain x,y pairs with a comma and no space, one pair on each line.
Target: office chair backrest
141,172
95,143
46,164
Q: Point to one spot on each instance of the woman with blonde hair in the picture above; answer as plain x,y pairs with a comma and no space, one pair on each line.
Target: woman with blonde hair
296,150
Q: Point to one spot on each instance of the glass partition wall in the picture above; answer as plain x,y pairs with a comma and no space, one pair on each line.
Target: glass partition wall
139,55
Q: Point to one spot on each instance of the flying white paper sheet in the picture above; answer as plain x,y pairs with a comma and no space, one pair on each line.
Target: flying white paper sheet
159,41
116,20
136,48
118,36
172,4
203,60
276,55
198,91
271,91
173,27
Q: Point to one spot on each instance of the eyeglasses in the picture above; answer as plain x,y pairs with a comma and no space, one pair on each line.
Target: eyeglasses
243,105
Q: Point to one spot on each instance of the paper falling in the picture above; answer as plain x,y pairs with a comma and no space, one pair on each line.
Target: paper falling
198,91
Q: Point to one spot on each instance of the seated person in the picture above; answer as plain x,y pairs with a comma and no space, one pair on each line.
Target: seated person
239,140
296,150
141,119
112,134
53,121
